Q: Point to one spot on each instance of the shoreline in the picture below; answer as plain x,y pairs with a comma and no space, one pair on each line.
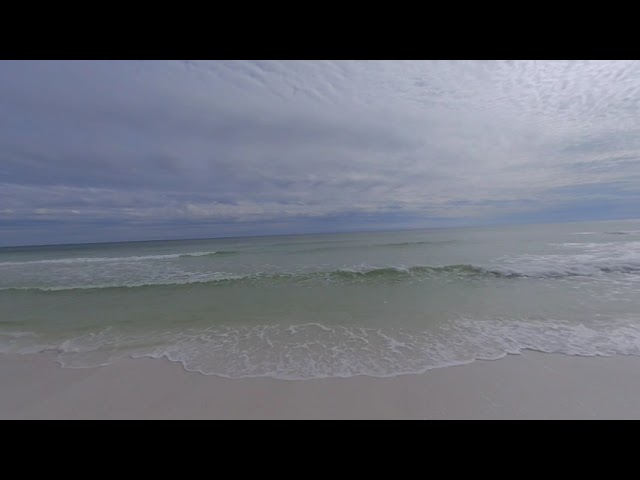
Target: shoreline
531,385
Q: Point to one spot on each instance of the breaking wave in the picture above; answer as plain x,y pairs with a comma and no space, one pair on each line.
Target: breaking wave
74,260
315,350
382,275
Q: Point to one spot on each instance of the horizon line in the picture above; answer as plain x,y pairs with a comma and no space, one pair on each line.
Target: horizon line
313,233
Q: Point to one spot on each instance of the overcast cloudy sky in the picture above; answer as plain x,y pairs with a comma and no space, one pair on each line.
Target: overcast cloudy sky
99,151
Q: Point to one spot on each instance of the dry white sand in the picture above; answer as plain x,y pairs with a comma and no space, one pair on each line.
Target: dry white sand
531,385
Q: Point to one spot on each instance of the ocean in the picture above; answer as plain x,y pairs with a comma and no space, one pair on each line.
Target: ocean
328,305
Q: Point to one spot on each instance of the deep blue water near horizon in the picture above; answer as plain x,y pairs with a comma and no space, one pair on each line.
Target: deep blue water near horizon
326,305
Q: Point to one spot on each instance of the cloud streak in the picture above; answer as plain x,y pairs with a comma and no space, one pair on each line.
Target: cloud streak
224,148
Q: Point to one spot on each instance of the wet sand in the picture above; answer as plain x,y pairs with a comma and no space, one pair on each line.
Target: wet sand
528,386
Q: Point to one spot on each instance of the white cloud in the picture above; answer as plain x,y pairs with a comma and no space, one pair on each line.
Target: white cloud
271,141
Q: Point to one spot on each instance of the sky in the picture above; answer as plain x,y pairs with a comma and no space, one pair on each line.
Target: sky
95,151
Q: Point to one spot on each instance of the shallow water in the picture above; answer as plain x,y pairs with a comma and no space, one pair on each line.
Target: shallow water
309,306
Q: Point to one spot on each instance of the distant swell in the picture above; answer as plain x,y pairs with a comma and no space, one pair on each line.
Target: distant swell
208,254
120,259
619,232
426,242
369,275
376,245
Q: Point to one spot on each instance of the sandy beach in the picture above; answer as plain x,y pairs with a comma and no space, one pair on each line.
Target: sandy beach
528,386
318,239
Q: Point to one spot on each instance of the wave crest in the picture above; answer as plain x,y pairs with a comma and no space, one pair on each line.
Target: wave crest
345,276
134,258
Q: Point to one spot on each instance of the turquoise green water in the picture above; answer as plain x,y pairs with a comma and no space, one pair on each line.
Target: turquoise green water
329,305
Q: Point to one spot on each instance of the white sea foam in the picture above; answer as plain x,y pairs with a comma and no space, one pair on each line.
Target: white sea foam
76,260
315,350
171,279
592,259
617,232
521,266
407,300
